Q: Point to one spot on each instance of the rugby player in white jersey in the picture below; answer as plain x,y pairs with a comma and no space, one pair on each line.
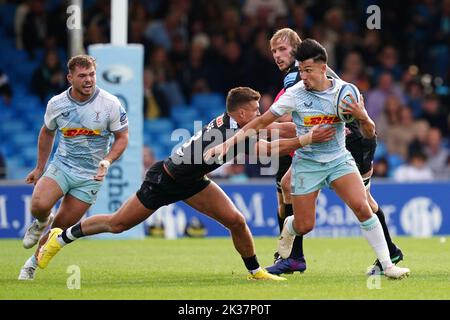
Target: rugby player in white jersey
85,117
314,165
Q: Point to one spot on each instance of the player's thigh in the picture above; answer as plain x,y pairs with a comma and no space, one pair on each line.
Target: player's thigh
45,194
70,212
305,209
350,189
214,202
286,186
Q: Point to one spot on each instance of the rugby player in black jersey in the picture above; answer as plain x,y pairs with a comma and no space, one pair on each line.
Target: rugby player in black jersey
182,176
283,45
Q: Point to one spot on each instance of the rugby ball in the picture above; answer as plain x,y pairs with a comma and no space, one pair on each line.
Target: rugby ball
344,94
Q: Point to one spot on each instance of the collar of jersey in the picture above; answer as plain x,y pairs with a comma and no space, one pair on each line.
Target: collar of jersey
233,123
97,90
333,81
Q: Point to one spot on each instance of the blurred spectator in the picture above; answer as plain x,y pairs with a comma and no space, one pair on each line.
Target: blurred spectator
265,10
348,43
19,18
148,158
388,63
418,144
33,31
416,170
389,117
437,154
263,67
414,97
5,88
235,71
371,46
400,136
155,102
160,32
354,71
99,22
434,114
381,168
49,78
2,167
334,24
164,77
376,98
196,78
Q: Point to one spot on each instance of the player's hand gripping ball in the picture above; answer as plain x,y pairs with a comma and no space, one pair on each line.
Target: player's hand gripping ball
344,93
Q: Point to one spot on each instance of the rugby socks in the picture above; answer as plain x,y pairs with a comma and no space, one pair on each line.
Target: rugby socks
280,222
71,234
290,226
297,247
387,236
373,232
252,264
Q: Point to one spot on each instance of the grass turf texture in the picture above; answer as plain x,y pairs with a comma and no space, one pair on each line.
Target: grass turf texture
211,269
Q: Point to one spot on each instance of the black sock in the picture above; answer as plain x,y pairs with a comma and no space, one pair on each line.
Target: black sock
280,222
251,263
391,246
288,210
297,248
71,234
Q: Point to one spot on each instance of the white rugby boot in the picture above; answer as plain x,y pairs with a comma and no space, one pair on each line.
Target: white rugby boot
34,232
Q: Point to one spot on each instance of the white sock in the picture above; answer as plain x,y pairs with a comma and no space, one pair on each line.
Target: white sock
254,271
373,232
290,226
31,262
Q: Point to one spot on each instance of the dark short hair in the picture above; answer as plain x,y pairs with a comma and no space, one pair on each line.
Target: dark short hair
82,60
311,49
239,96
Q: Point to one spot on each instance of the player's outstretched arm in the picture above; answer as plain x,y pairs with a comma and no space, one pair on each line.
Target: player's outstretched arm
117,148
249,130
45,145
284,147
357,109
283,130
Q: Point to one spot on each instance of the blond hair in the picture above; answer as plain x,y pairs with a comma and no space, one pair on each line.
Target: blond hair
286,34
82,60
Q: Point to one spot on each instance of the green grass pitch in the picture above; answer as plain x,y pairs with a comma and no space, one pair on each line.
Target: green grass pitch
211,269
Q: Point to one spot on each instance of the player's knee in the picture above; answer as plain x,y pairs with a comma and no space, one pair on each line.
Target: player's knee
39,208
237,222
303,227
362,209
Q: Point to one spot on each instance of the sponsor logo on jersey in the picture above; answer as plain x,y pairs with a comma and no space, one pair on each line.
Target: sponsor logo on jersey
219,121
73,132
314,120
123,118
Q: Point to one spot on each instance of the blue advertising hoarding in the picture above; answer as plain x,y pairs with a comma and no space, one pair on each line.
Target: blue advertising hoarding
419,210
